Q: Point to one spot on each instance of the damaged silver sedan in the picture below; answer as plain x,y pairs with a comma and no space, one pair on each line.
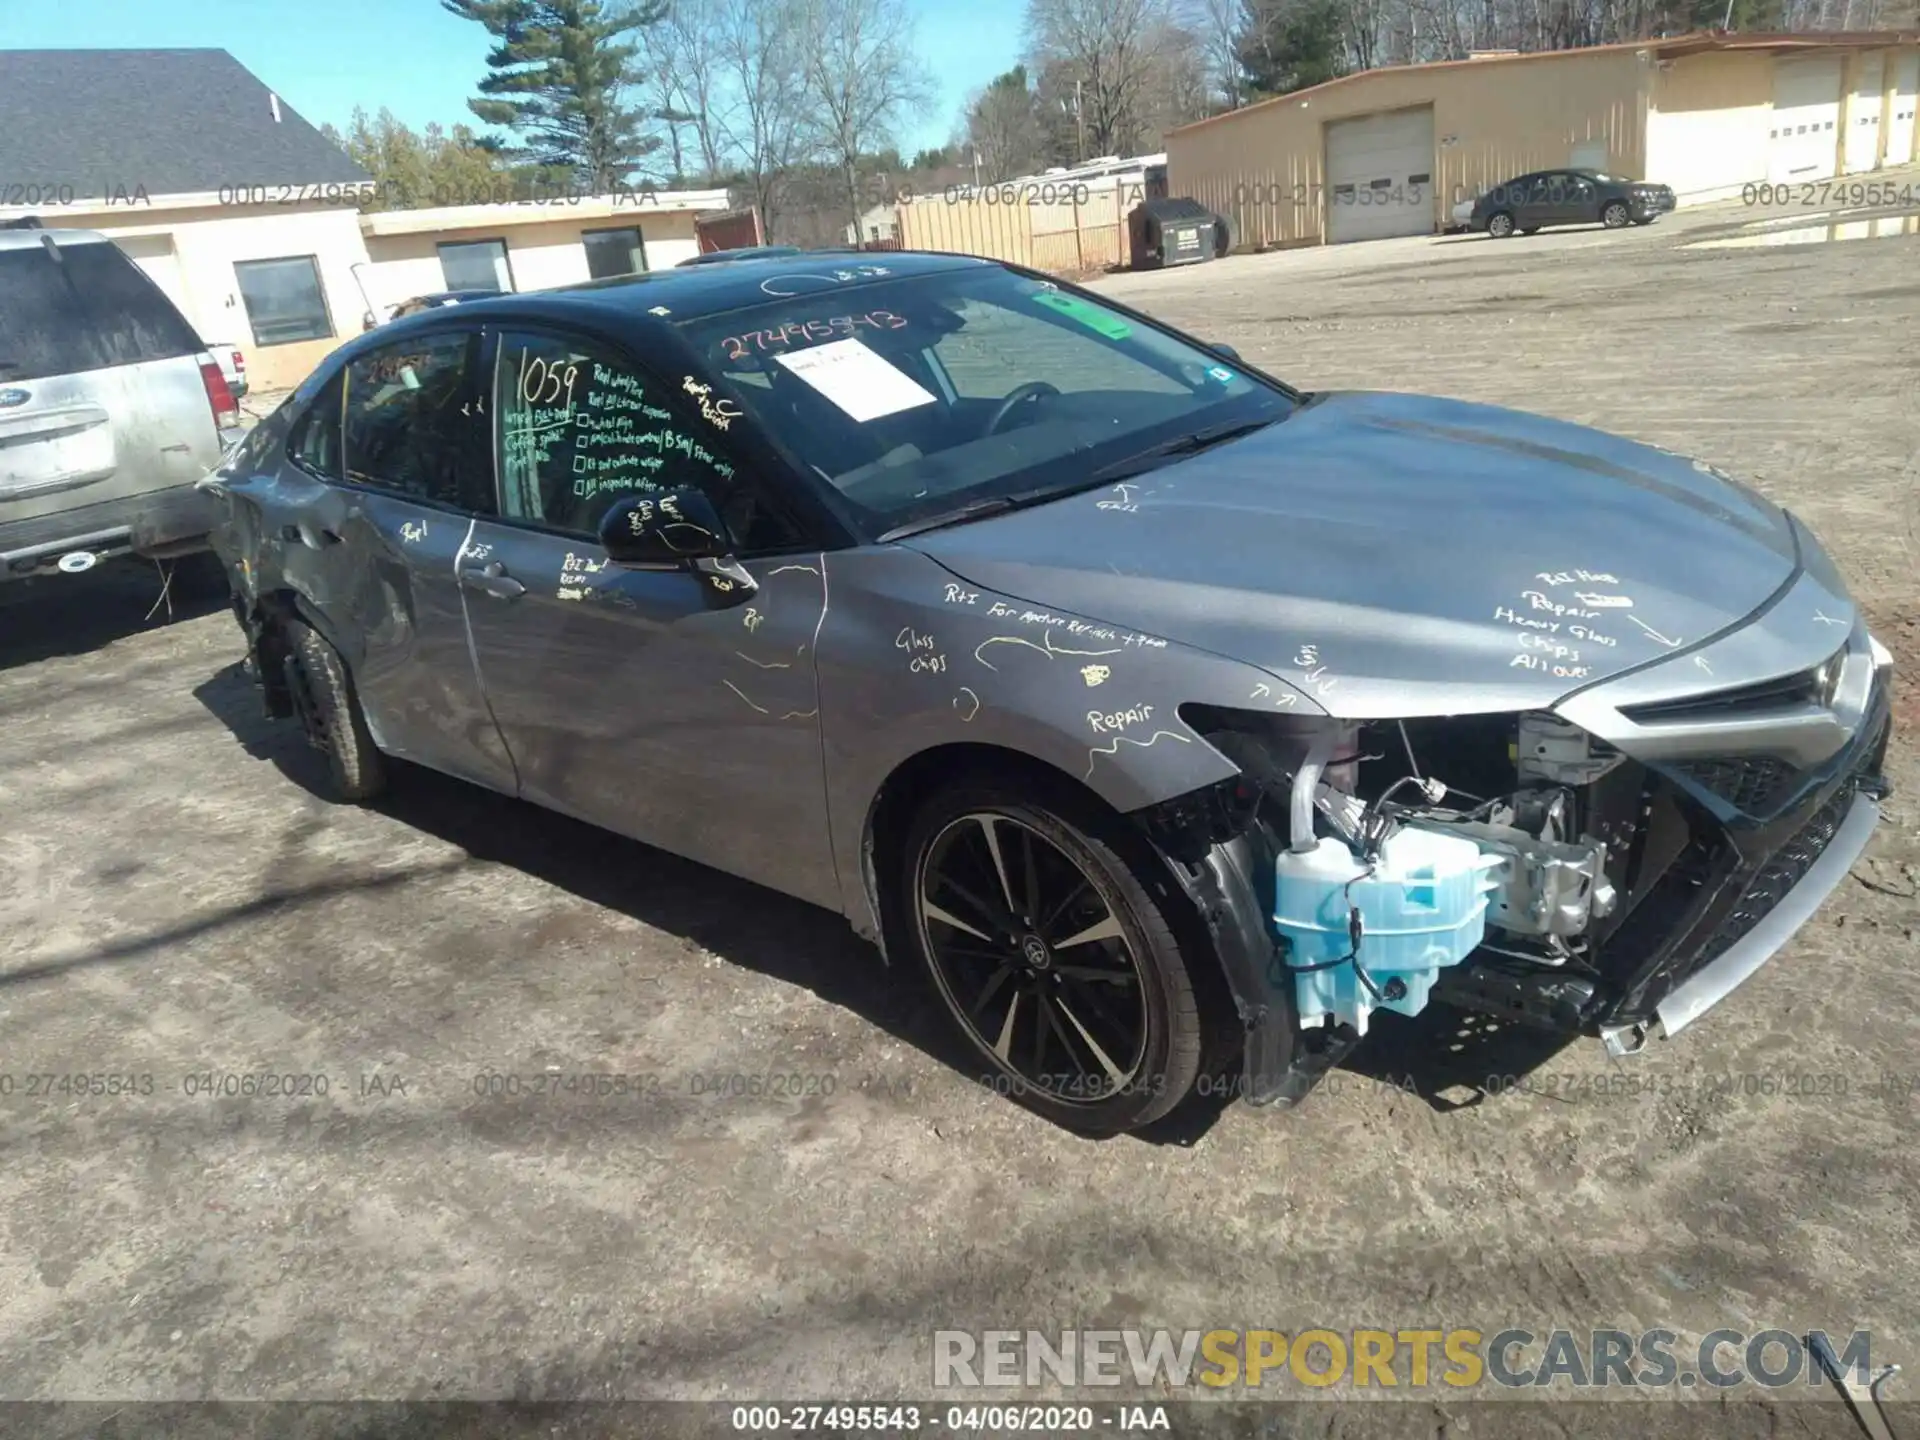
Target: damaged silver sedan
1173,721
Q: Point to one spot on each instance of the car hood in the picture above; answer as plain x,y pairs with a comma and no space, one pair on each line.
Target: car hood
1393,555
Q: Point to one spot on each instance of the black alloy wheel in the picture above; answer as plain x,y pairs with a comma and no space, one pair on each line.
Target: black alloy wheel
1058,966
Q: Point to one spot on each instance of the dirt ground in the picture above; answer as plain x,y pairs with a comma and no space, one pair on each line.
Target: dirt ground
178,904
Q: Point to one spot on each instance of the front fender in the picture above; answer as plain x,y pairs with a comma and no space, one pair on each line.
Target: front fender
912,660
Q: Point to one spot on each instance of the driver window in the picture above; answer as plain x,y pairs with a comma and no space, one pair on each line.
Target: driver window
580,427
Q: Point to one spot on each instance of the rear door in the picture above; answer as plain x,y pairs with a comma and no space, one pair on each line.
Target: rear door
384,478
101,396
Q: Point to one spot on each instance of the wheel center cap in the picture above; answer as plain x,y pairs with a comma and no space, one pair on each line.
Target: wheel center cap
1036,952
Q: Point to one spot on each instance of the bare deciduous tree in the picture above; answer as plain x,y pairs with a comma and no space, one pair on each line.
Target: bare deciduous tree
1003,127
758,53
862,79
1107,45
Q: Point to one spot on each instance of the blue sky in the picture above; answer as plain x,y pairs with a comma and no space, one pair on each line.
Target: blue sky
420,61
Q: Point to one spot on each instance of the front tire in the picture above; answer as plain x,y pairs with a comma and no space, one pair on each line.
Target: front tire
1500,226
329,711
1033,915
1616,216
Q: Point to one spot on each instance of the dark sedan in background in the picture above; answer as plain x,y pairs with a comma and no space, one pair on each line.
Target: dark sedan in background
1567,197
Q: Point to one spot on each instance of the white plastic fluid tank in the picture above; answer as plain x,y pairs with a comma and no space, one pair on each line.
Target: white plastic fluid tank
1422,907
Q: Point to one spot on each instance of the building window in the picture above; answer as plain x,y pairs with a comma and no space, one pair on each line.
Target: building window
614,252
284,300
475,265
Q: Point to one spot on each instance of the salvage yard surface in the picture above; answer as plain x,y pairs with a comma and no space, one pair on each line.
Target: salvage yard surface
177,905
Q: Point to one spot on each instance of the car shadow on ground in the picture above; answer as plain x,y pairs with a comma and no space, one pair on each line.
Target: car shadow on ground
743,923
1433,1055
47,616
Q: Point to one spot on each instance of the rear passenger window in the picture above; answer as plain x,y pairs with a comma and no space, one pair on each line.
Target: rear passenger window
414,424
90,309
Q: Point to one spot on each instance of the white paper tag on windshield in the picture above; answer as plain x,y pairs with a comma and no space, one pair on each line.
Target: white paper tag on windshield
856,379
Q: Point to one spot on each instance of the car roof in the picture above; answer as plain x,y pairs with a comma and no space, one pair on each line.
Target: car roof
30,238
696,290
636,306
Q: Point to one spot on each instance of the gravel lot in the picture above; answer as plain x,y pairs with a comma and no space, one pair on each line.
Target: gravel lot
178,902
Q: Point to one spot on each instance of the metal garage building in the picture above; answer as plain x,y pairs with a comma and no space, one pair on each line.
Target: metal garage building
1390,152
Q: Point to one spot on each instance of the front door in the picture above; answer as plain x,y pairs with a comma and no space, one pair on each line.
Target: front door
1582,201
646,701
387,469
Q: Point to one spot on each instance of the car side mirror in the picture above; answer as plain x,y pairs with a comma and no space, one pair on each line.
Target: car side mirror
1228,351
675,530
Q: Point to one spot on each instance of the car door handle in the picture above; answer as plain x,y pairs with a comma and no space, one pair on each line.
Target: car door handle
493,579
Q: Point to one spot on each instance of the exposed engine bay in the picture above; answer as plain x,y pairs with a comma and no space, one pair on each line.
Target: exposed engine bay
1510,864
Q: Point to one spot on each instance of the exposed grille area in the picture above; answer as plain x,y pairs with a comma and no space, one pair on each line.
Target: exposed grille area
1782,871
1709,898
1754,784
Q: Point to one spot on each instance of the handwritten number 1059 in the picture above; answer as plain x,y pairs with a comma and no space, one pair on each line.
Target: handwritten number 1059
543,381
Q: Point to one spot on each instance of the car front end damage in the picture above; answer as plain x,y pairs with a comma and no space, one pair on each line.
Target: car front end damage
1625,884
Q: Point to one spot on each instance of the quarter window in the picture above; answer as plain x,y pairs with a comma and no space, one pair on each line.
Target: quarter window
415,425
284,300
580,427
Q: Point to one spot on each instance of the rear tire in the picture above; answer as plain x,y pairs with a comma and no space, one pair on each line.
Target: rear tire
1500,225
1032,914
329,710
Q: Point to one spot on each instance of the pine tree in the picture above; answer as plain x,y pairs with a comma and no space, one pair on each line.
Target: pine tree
555,80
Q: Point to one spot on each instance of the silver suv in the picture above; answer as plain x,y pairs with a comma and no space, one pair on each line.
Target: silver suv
110,408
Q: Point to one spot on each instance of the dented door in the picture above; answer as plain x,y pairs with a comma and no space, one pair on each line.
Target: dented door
645,701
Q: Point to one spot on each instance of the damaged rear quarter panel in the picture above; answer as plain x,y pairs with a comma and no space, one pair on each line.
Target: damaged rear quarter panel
961,665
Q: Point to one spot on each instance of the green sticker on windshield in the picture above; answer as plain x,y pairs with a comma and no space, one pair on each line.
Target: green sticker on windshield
1091,316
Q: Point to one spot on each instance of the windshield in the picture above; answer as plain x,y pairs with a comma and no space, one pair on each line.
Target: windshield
918,396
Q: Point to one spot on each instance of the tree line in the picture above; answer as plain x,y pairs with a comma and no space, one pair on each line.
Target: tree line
797,107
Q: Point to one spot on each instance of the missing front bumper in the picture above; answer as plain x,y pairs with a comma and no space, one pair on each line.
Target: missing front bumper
1708,986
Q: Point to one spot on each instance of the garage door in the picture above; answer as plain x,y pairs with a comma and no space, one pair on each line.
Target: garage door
1863,114
1906,103
1380,176
1806,119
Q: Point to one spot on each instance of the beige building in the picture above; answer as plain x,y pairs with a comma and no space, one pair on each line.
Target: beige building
1391,152
248,218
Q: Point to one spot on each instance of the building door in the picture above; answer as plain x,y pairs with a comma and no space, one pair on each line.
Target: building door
1863,114
1804,141
1906,104
156,256
1380,176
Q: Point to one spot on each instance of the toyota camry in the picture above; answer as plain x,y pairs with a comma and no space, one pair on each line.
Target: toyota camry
1171,720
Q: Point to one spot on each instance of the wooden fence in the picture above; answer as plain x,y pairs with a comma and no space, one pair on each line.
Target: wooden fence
1067,228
